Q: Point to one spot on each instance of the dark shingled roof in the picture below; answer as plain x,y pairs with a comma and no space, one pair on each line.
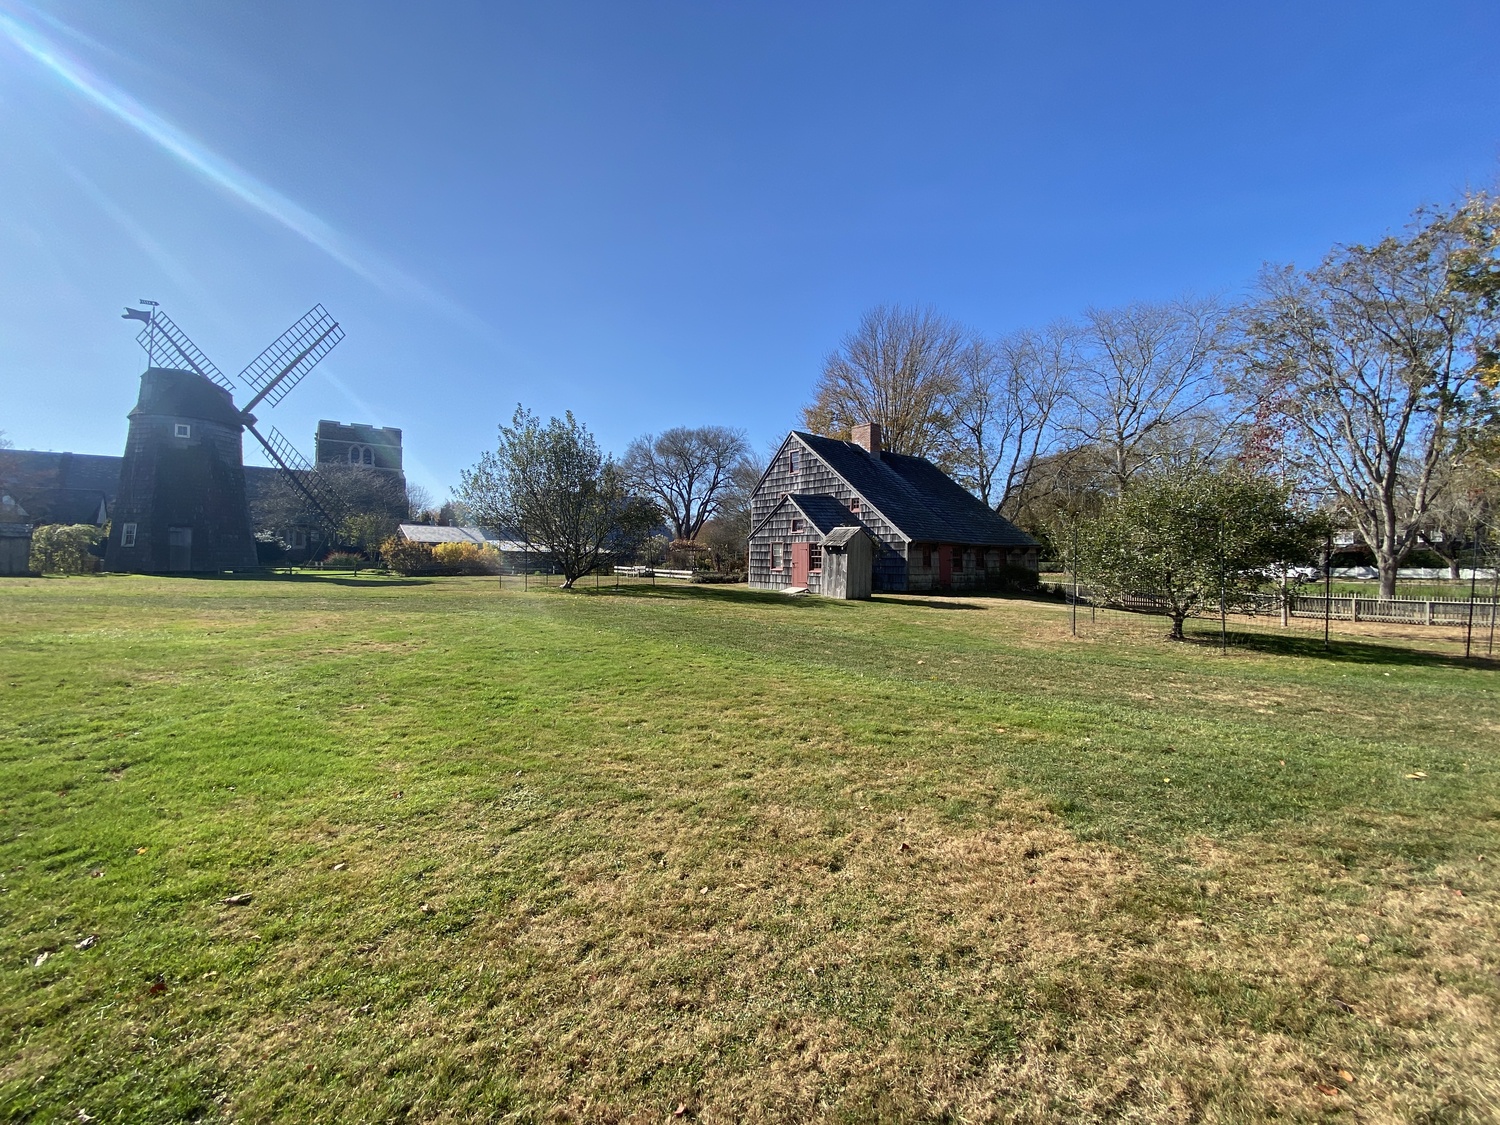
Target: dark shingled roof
925,503
184,394
825,512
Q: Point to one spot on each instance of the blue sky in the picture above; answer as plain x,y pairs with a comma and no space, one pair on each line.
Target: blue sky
662,214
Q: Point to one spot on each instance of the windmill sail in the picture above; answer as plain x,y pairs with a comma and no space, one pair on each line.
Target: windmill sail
162,338
273,373
323,503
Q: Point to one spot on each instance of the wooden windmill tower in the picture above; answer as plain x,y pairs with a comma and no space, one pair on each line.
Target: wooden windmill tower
181,504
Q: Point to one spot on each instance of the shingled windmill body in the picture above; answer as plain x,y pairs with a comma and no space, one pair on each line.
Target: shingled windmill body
181,505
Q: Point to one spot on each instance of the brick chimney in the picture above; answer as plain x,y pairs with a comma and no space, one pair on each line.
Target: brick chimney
867,434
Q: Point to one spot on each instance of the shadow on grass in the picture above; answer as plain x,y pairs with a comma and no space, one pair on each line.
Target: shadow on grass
925,603
738,594
326,578
1341,650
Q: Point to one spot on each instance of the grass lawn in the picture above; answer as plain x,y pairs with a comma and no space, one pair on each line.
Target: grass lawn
697,853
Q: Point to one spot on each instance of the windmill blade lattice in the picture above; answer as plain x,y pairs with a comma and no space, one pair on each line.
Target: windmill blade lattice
279,368
162,335
323,503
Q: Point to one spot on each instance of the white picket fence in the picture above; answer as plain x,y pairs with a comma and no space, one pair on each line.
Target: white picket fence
652,572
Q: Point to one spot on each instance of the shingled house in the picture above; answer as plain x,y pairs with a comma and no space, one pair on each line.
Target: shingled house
927,531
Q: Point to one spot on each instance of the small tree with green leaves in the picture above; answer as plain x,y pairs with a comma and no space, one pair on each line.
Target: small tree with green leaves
65,549
1193,537
553,484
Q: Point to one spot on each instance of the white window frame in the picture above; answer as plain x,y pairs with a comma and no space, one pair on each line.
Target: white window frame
182,429
297,539
127,535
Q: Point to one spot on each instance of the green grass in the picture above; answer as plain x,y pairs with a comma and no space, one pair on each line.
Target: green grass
595,856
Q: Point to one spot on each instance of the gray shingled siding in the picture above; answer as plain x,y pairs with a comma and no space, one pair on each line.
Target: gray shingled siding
816,478
779,530
195,482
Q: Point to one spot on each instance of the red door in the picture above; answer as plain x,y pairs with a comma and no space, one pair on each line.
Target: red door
801,557
945,567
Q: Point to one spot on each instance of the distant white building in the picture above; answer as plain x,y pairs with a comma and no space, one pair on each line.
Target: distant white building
515,553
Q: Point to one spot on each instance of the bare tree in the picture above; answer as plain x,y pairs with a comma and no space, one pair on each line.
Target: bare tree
419,505
1372,362
900,368
687,471
1466,497
1004,414
1143,371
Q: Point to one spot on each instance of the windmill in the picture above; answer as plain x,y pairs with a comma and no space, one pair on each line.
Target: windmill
183,470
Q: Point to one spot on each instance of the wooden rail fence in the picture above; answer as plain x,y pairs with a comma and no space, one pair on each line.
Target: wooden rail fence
1401,611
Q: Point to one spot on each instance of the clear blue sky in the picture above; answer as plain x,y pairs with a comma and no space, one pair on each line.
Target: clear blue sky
660,214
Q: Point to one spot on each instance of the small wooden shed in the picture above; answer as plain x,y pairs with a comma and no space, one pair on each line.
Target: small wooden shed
15,548
848,563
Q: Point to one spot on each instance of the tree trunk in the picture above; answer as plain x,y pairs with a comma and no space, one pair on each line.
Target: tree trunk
567,582
1387,561
1176,633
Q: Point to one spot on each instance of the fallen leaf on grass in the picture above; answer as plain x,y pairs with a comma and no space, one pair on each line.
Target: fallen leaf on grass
428,908
96,873
1363,939
1418,776
340,866
140,851
41,959
1343,1005
158,986
1324,1088
680,1110
1346,1076
237,900
905,847
87,943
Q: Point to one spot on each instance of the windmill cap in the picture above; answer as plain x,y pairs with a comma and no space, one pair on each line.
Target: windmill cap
184,394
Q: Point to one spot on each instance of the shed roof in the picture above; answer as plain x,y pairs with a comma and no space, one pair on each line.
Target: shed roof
502,539
428,533
923,502
840,536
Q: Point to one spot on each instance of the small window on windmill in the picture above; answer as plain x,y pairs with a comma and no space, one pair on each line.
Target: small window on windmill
182,429
796,525
793,461
775,556
815,557
127,535
854,505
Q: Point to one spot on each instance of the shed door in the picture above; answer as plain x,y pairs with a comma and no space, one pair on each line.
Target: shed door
179,548
801,559
945,567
